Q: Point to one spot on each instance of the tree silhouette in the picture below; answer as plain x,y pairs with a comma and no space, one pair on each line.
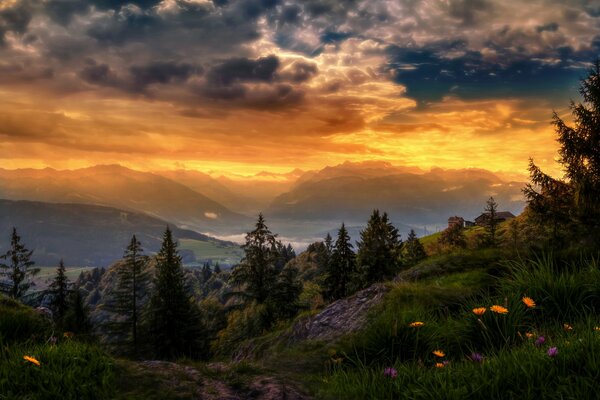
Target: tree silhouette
341,267
19,271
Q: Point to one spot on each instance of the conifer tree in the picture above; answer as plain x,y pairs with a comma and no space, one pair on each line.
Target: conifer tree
217,269
340,268
413,249
257,273
378,256
174,319
59,289
206,272
491,222
19,271
76,318
130,289
285,294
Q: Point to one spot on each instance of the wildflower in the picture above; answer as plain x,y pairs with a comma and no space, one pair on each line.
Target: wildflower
446,362
53,340
567,327
479,311
32,360
476,357
440,365
529,335
416,324
390,372
540,341
499,309
338,360
68,335
552,352
528,301
597,328
438,353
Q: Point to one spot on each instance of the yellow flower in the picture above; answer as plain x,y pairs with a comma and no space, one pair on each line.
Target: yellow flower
31,360
416,324
479,311
529,334
438,353
499,309
597,328
439,365
567,327
528,301
68,335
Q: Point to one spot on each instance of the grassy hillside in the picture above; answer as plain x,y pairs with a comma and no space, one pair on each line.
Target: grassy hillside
213,251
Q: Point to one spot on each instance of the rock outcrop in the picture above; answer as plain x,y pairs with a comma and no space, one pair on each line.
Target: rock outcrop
341,317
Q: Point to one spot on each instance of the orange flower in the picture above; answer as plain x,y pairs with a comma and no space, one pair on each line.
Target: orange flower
438,353
567,327
597,328
499,309
439,365
31,360
529,334
528,301
479,311
68,335
416,324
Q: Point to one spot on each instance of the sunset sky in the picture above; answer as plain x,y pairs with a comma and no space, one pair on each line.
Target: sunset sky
242,86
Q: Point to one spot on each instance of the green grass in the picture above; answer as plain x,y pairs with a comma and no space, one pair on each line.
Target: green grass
212,251
47,274
514,367
68,370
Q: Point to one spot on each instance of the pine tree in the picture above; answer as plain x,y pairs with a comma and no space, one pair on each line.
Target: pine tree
130,290
217,269
206,272
257,273
76,318
557,203
18,271
491,222
285,294
341,267
174,319
413,249
379,250
59,289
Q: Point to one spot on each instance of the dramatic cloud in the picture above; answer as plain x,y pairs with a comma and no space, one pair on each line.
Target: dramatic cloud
288,83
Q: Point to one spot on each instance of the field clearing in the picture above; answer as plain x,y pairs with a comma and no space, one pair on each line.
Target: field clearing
212,251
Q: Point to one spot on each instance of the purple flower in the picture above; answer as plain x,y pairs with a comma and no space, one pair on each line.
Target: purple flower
446,362
477,357
552,352
540,341
390,373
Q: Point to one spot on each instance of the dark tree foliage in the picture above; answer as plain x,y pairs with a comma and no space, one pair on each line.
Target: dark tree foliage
453,237
206,272
256,274
131,287
491,222
378,255
59,290
285,254
413,251
556,203
217,269
341,267
286,292
174,319
76,318
19,271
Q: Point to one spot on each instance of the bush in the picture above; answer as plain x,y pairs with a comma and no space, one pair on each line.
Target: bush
19,323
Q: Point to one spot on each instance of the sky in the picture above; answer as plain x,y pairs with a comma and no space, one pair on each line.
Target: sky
238,87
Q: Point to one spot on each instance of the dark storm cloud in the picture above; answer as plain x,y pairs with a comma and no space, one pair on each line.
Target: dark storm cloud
244,70
469,11
551,27
15,19
300,71
162,72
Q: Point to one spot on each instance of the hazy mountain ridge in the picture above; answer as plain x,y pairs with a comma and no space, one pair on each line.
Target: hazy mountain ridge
84,235
120,187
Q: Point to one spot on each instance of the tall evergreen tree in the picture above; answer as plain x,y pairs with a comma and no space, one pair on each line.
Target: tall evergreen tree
76,318
340,268
555,202
19,271
285,294
378,256
59,290
130,289
206,272
491,222
174,319
217,269
413,249
257,273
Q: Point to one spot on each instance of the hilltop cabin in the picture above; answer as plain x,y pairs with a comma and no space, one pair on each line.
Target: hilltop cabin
501,216
460,221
